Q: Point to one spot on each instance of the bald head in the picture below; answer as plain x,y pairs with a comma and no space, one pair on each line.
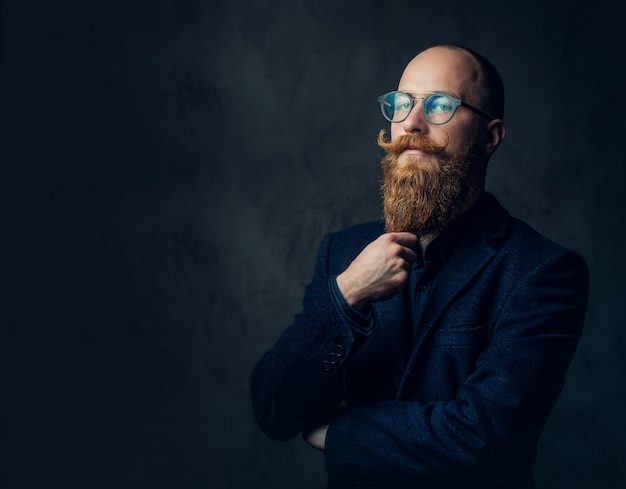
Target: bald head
479,79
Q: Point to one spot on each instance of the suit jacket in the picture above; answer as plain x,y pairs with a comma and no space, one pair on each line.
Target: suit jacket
460,404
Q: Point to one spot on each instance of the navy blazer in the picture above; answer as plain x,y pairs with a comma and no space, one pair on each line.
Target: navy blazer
464,402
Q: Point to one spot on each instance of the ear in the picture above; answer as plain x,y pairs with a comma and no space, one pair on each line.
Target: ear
494,135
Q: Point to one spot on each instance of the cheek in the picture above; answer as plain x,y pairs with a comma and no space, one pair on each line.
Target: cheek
458,137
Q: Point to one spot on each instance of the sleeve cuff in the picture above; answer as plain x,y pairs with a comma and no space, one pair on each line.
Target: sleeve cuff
361,322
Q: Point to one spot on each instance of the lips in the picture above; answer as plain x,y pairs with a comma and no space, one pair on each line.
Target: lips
414,149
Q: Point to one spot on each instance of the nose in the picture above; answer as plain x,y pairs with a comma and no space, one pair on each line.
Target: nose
415,122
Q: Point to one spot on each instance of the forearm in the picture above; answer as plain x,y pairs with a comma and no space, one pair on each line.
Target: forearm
300,378
491,428
411,440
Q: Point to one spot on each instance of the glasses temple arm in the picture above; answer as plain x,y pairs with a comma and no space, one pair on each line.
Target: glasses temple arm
476,111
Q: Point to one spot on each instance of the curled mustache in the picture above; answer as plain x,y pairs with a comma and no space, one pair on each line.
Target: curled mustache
409,141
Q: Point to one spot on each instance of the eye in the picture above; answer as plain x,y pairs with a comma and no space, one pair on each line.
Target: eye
439,104
403,105
401,102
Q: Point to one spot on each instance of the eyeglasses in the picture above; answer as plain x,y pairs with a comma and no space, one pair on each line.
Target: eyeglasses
438,108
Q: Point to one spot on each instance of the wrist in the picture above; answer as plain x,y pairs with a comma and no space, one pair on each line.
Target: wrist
351,293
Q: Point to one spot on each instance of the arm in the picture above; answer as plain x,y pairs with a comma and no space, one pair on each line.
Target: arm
493,424
296,386
295,379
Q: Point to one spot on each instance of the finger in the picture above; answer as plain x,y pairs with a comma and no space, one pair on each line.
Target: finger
406,239
408,254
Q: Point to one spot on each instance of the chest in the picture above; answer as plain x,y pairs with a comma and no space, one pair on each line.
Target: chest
429,360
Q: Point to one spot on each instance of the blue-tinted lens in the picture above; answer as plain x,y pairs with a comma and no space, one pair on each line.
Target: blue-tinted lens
395,106
439,108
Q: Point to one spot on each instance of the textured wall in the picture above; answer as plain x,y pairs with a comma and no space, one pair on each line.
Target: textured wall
171,167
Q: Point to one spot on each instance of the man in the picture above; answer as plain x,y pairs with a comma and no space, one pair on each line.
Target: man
430,348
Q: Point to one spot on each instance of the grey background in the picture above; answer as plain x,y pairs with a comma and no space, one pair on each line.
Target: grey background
170,168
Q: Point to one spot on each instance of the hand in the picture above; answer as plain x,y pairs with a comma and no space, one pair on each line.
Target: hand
317,437
380,270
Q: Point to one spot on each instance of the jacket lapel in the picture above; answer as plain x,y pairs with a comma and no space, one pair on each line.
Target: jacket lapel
473,252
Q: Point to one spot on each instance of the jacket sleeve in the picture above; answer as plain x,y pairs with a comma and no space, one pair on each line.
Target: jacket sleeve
493,424
297,384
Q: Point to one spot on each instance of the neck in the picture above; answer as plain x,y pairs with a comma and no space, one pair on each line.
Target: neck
474,196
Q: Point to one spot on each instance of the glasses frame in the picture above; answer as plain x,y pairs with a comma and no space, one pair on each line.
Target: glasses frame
457,103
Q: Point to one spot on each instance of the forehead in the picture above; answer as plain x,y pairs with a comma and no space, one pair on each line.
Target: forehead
441,69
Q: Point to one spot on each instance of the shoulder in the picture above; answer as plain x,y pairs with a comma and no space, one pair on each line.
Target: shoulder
526,250
527,240
507,232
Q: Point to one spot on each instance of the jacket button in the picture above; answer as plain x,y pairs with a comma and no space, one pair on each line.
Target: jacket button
325,365
339,351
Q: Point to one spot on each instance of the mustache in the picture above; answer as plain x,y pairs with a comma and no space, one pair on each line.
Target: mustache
410,141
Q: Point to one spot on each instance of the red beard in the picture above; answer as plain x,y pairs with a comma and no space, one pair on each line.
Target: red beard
423,194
